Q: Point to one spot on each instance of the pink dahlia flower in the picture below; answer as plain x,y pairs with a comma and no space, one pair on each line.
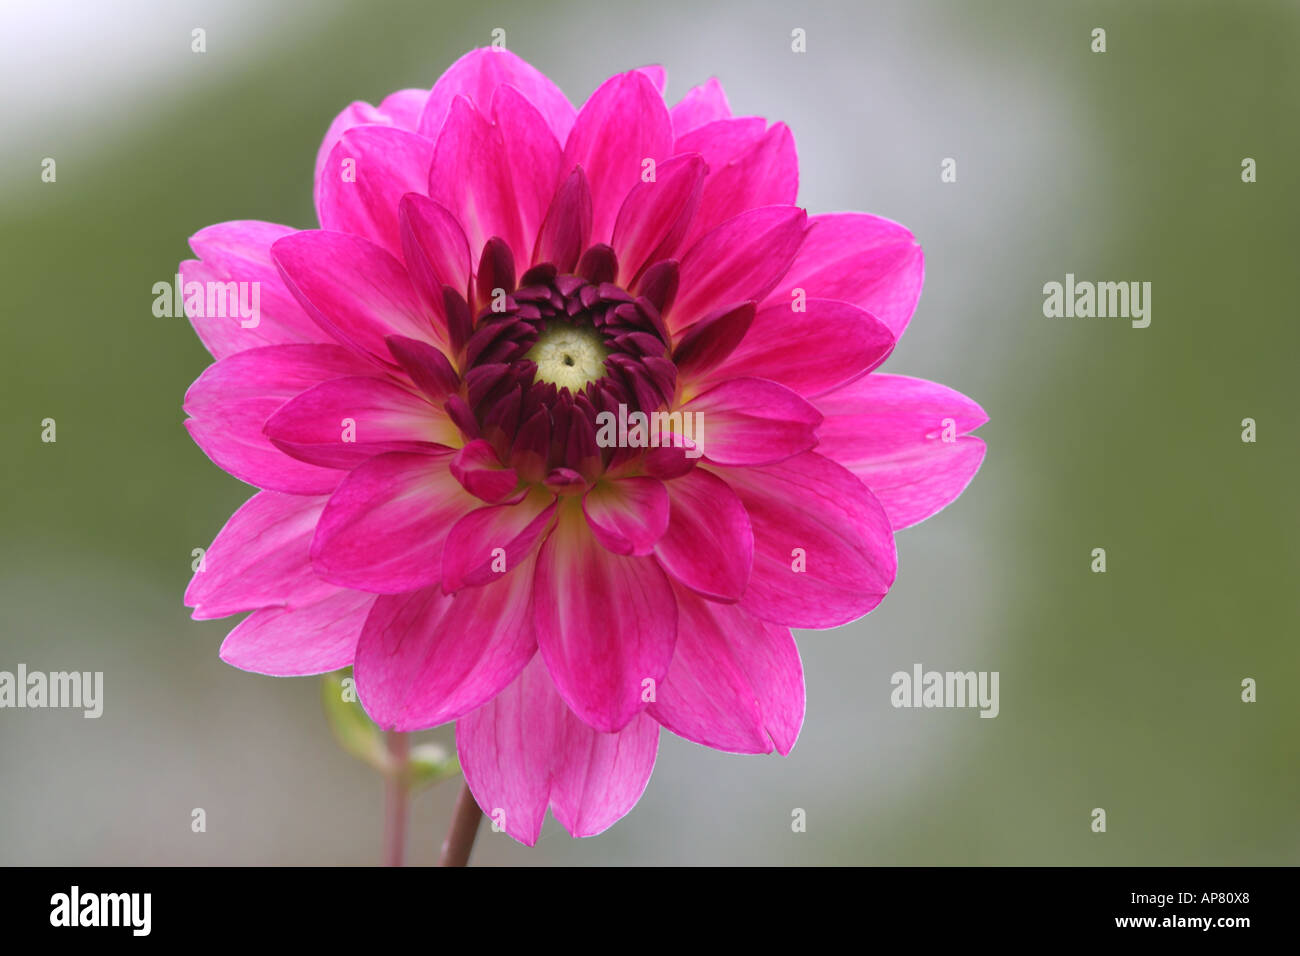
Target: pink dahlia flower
422,402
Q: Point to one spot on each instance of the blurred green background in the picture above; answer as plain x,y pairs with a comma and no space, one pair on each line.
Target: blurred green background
1118,690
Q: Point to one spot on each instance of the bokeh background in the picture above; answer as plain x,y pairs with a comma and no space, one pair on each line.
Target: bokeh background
1118,690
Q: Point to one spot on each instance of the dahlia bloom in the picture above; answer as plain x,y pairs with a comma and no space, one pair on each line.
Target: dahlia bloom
420,404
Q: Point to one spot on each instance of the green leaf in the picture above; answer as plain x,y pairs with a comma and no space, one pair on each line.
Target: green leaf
356,733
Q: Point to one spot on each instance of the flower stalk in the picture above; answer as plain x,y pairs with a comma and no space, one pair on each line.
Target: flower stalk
405,767
465,820
397,788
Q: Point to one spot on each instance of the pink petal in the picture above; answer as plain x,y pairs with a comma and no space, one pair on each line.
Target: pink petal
534,156
241,252
867,261
260,558
709,544
655,215
299,640
471,558
598,778
479,74
810,511
766,173
525,750
750,421
735,684
627,515
888,430
812,351
425,658
345,421
675,456
624,123
744,258
428,367
368,172
401,110
383,529
721,141
566,228
701,104
477,467
353,289
231,401
585,594
471,176
436,253
709,341
656,75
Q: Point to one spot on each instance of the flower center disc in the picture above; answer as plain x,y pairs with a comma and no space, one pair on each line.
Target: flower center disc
542,363
569,356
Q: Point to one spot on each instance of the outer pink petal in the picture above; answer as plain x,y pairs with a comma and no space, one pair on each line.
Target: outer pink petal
231,401
735,684
657,76
471,176
709,544
701,104
811,351
241,252
751,421
470,557
386,163
426,658
627,515
865,260
353,289
888,430
526,750
599,778
810,513
534,156
383,529
345,421
722,140
623,124
744,258
585,595
401,110
294,641
479,74
260,558
764,174
655,215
